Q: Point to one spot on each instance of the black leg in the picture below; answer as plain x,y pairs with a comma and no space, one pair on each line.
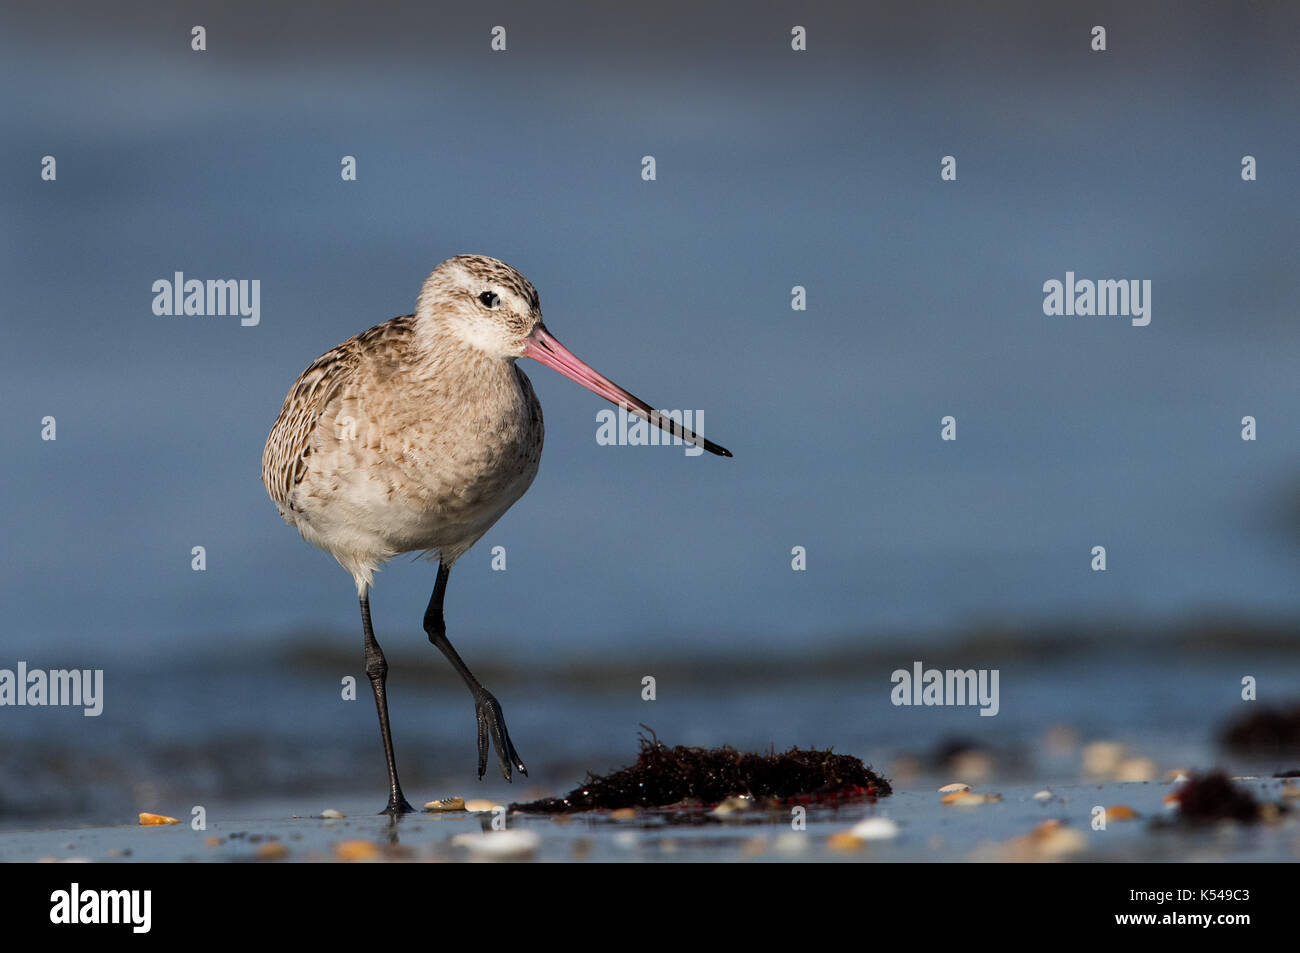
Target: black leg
491,723
377,671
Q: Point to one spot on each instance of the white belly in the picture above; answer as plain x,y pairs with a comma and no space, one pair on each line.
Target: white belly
387,480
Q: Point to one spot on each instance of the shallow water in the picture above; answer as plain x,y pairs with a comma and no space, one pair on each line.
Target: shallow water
928,831
254,747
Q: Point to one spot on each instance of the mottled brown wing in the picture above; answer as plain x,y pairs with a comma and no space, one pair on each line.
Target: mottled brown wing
284,459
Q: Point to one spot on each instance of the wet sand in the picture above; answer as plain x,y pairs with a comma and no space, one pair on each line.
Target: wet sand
1097,729
1018,827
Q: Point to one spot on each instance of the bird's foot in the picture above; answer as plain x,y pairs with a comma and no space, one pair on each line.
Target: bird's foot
492,729
397,805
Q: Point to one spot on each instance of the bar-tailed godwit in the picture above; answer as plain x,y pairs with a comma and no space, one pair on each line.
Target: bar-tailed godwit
416,436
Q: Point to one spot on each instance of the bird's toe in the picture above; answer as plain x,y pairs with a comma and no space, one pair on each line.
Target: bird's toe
492,732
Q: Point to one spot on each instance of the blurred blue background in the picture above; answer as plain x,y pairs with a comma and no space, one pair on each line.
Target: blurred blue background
774,169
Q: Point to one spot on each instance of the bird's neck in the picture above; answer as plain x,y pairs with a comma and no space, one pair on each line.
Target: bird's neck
456,364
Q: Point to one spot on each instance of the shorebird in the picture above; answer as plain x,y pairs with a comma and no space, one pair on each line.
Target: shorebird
417,436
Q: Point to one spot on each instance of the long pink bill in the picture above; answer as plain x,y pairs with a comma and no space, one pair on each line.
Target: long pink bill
542,346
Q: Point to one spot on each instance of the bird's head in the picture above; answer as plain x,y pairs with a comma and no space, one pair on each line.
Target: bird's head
484,304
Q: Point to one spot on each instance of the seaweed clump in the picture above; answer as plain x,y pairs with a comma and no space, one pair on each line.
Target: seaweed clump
664,776
1213,797
1265,732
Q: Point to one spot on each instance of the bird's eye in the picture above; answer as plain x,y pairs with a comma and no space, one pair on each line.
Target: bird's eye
490,299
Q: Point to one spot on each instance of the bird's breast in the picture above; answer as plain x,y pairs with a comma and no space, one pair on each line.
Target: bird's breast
426,463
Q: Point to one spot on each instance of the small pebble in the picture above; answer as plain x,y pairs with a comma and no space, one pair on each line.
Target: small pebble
354,850
1059,840
627,840
479,805
150,820
1102,758
953,788
332,815
732,805
1044,795
1047,841
792,842
844,840
875,828
1121,812
623,814
1136,769
213,841
499,845
445,804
